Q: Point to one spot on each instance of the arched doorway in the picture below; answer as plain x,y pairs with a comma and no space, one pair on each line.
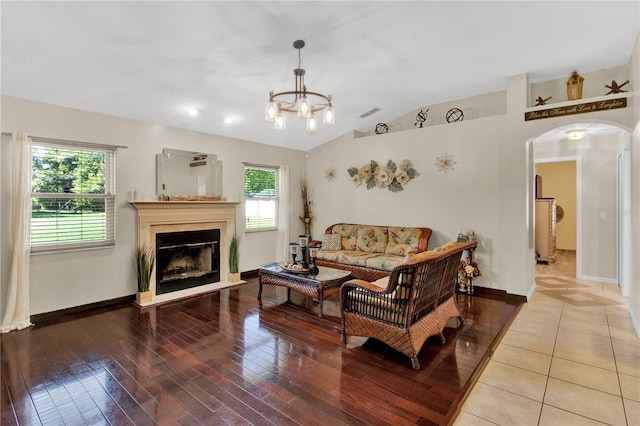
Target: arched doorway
599,155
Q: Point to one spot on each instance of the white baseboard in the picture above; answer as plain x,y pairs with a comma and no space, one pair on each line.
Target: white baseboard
531,290
597,279
634,320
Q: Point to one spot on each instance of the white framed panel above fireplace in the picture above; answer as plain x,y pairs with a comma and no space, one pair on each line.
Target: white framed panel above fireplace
157,217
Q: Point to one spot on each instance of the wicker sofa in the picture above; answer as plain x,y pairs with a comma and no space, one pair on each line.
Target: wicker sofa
412,304
370,252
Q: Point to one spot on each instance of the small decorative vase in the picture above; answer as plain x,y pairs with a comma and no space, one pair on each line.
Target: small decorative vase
234,277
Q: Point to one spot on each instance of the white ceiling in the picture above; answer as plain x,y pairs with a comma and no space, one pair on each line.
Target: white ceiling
150,61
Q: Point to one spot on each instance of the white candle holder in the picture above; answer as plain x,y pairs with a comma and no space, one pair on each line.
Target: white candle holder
313,254
304,244
293,249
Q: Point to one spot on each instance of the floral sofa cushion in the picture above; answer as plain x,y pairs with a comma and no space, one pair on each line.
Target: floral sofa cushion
349,235
402,240
372,239
384,261
349,257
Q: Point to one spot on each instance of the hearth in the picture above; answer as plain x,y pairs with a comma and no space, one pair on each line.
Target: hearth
187,259
200,264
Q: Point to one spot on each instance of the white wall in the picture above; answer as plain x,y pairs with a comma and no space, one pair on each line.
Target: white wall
465,198
65,280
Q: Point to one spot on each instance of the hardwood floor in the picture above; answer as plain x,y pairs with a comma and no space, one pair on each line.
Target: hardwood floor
220,359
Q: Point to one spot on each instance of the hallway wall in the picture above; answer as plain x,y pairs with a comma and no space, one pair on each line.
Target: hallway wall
559,182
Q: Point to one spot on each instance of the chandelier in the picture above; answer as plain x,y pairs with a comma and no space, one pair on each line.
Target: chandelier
301,101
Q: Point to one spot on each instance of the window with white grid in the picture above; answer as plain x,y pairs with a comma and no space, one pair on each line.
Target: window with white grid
261,198
72,196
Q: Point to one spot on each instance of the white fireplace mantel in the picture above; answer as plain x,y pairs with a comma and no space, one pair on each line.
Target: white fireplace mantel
176,216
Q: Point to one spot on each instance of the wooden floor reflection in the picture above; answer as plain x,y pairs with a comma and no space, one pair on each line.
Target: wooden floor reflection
220,359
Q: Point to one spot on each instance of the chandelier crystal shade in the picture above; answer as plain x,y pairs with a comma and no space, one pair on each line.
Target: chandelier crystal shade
300,101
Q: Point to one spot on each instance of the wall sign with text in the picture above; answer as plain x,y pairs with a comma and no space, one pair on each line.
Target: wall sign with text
576,109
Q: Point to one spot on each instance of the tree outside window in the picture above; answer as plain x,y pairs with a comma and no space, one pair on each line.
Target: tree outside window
261,198
73,192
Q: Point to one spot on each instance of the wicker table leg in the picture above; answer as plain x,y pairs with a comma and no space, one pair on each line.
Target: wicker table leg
320,300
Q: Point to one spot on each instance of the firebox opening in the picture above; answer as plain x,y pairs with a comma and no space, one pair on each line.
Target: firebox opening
187,259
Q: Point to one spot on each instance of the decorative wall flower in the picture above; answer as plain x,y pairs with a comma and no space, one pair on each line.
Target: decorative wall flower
445,163
364,173
405,165
330,174
383,177
403,178
390,176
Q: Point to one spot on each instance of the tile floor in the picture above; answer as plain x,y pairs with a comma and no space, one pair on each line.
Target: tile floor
571,357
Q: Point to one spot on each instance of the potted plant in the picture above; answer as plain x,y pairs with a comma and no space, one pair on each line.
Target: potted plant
145,260
234,275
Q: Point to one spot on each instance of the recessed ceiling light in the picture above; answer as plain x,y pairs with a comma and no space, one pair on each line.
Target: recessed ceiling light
192,112
228,120
576,134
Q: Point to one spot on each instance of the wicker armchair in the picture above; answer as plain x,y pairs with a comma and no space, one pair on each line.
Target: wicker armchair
417,302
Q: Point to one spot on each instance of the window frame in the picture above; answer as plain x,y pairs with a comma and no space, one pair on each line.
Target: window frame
275,199
109,196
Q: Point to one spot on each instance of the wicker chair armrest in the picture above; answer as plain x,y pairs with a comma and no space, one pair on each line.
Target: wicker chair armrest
366,285
358,284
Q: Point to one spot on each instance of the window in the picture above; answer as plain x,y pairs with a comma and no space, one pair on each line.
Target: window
261,198
72,195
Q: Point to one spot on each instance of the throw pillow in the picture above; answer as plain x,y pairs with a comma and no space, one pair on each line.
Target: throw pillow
331,242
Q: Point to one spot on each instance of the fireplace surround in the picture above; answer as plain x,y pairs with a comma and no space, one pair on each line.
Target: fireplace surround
157,219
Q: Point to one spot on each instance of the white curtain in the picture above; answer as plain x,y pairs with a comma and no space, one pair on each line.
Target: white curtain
16,303
282,246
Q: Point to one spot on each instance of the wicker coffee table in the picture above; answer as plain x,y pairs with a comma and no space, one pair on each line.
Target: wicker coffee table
321,285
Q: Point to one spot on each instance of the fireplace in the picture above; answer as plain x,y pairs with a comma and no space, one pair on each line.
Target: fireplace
187,259
192,245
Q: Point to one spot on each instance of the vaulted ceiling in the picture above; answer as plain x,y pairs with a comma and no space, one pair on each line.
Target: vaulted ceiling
151,61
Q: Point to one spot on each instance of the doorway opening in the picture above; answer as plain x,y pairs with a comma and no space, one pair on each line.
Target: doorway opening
557,181
601,190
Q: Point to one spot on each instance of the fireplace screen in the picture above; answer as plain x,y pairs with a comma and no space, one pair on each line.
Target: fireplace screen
187,259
